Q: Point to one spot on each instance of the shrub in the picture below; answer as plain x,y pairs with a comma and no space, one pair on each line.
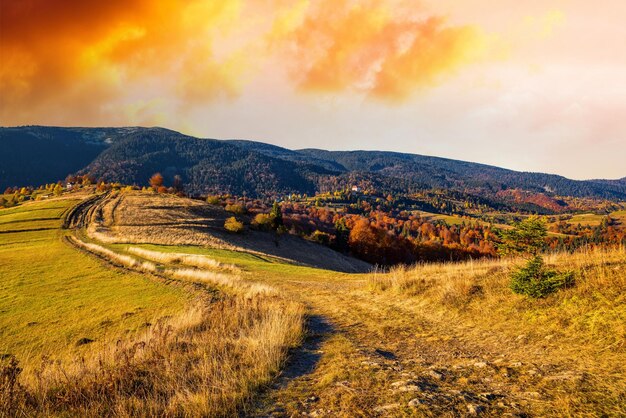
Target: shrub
236,208
156,181
233,225
213,200
537,281
320,237
262,221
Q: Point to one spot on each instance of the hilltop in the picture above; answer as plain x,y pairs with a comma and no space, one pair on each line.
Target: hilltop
131,155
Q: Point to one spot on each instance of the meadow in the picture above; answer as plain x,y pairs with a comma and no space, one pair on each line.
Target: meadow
451,339
592,219
87,331
224,331
52,297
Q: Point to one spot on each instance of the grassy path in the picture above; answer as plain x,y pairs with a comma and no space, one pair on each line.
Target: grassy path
375,355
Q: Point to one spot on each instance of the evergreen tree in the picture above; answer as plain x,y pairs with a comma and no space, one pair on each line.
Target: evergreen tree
527,238
276,216
533,279
342,234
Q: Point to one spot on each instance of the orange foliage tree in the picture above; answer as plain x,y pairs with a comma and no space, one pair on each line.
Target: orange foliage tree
156,181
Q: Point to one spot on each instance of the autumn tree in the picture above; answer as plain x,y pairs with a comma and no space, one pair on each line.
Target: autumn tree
233,225
102,187
156,181
88,180
262,221
236,208
363,240
213,200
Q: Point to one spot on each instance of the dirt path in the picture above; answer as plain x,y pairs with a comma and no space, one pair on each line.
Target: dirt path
80,215
369,355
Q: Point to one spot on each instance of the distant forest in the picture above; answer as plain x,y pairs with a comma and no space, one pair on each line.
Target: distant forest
131,155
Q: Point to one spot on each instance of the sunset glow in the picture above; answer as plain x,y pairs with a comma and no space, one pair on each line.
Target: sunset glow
467,80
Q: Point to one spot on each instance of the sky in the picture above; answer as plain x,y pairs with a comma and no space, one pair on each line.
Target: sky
527,85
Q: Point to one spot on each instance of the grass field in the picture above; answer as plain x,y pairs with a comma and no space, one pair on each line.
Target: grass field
457,220
560,356
573,340
592,219
447,339
586,219
449,219
174,344
52,295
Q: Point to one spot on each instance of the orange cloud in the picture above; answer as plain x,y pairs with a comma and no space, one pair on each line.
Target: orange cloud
387,52
74,57
75,61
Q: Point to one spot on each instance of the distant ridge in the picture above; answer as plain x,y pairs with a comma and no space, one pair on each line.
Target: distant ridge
40,154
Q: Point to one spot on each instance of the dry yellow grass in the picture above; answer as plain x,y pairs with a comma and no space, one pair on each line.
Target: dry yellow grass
453,340
583,327
116,258
130,218
593,311
181,258
231,282
208,361
138,218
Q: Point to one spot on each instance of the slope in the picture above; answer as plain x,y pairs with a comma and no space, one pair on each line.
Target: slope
52,297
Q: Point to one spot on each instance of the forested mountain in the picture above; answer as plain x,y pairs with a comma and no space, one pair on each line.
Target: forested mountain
435,172
35,155
205,165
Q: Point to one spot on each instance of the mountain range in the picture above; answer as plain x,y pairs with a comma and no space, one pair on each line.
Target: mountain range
34,155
